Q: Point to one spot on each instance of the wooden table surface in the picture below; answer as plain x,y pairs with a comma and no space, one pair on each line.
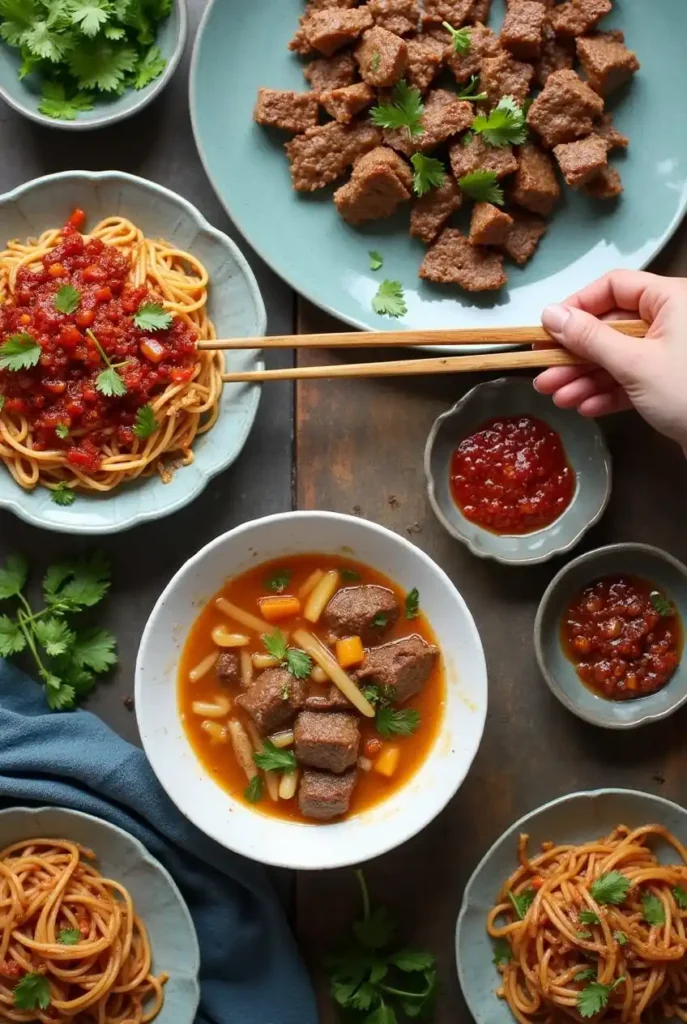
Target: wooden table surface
322,445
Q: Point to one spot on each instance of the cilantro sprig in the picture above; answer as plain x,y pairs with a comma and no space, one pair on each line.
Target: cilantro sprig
652,908
506,125
472,91
460,38
680,896
152,317
404,111
396,721
67,299
32,992
482,186
661,604
108,382
612,887
390,299
278,581
145,423
522,901
67,659
19,352
294,659
376,260
593,998
273,759
429,173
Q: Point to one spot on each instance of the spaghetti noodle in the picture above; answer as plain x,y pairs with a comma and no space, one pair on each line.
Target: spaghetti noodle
71,946
57,428
595,931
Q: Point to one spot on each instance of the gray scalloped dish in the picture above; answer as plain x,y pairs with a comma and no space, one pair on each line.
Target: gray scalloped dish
577,818
669,575
584,445
156,897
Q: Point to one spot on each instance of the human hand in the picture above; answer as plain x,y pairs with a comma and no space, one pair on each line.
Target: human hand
649,375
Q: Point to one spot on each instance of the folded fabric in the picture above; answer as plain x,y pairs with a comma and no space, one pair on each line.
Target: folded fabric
250,969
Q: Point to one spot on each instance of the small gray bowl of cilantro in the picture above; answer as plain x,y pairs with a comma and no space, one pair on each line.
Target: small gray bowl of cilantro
82,64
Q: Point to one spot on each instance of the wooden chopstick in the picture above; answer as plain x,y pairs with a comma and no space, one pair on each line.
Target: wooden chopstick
384,339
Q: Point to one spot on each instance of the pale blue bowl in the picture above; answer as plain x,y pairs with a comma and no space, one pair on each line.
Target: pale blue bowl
306,242
577,818
156,897
24,96
235,305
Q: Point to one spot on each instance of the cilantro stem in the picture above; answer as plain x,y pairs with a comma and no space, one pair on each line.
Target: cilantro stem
364,893
405,995
23,619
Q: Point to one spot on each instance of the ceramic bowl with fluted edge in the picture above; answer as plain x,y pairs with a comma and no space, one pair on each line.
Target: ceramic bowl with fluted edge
235,305
231,822
577,818
649,563
584,445
155,894
24,95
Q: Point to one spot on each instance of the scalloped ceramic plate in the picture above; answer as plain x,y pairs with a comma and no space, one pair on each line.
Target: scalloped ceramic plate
571,819
235,305
155,894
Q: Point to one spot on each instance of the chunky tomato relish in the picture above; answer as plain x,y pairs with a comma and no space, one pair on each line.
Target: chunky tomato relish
59,395
512,476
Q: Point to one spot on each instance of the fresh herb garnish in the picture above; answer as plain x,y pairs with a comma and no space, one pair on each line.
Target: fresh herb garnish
350,574
379,696
522,901
253,791
504,126
379,621
273,759
680,896
661,604
653,909
294,659
145,423
413,603
58,102
503,953
460,38
32,993
404,111
589,917
152,317
151,67
429,173
69,936
584,934
67,299
278,581
275,644
108,382
482,186
62,431
594,998
19,352
63,494
396,721
472,91
390,299
376,260
612,887
67,659
621,938
588,974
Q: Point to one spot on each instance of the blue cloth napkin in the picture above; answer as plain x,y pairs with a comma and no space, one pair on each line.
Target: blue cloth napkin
250,969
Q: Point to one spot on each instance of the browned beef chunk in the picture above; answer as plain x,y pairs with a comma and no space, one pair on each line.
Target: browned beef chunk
452,260
292,111
607,131
489,225
565,110
607,184
455,12
582,160
524,236
322,154
432,210
502,75
444,116
382,57
367,611
399,16
327,740
557,54
404,664
323,5
576,17
523,29
344,104
536,185
606,62
327,73
273,700
329,30
326,698
323,795
380,181
478,155
227,668
483,43
425,60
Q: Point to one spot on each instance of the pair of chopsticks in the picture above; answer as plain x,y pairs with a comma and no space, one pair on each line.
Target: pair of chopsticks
537,358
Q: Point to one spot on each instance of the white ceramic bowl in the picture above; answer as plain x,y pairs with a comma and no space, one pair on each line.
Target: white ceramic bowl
235,825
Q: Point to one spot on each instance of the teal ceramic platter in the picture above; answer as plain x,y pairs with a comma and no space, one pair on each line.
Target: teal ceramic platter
156,897
577,818
235,305
242,46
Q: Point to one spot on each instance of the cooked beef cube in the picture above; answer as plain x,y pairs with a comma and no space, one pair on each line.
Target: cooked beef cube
444,116
544,3
607,63
329,30
344,104
322,154
425,59
382,57
227,668
478,155
323,698
606,130
536,185
565,109
582,160
299,43
431,211
524,236
489,225
327,73
483,43
455,12
323,5
323,795
404,664
607,185
327,740
481,11
452,260
399,16
367,611
273,700
292,111
380,181
523,29
577,17
502,75
557,54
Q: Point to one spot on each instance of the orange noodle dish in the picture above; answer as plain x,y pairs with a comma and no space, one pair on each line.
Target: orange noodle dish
71,946
100,378
596,931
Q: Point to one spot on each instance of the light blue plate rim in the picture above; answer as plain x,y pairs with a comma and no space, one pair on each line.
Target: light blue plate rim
119,523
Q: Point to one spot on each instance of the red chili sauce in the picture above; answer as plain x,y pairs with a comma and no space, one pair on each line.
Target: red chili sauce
512,476
623,636
60,390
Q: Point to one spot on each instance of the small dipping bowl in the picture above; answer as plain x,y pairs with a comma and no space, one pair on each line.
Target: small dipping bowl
584,446
644,561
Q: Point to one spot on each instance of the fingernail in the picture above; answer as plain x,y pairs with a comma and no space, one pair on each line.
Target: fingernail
554,319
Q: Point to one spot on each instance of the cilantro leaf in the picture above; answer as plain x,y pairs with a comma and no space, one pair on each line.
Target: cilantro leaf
502,951
460,37
275,644
661,604
109,383
680,896
54,635
69,936
612,887
150,68
472,91
152,317
12,639
271,758
404,111
56,103
350,574
94,648
589,917
584,934
376,260
654,913
390,300
77,584
396,722
278,581
63,494
43,41
19,352
522,901
588,974
409,960
67,299
429,173
253,791
61,698
504,126
298,663
101,64
621,938
594,998
376,931
13,576
32,993
413,603
145,423
89,16
62,431
482,186
379,621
